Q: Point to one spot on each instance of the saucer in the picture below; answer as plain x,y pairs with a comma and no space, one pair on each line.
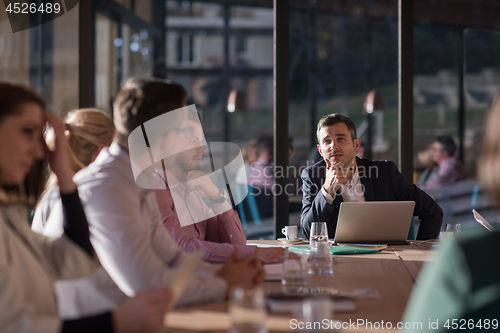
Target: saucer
292,241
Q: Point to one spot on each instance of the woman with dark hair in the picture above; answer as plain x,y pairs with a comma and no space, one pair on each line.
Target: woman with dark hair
31,263
461,287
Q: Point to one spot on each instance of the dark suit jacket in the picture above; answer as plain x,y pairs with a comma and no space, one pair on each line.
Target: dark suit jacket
382,182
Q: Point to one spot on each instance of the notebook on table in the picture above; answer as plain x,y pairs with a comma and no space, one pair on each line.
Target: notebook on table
374,222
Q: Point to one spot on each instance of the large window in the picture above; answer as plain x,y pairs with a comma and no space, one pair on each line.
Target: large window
123,47
456,61
339,52
220,50
342,53
44,58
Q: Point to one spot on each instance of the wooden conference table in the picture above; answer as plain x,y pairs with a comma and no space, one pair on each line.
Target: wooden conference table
392,272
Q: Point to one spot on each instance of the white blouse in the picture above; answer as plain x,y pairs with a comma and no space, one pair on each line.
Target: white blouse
29,266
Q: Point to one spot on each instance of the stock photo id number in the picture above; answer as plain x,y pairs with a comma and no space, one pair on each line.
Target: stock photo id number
28,14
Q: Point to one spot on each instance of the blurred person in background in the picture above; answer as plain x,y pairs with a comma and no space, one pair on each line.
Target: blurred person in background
127,233
462,284
363,151
261,176
426,165
449,169
249,153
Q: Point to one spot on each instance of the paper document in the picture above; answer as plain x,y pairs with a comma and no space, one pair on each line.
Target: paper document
340,305
182,275
273,272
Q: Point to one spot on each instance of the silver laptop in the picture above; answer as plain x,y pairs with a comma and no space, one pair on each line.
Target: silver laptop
374,222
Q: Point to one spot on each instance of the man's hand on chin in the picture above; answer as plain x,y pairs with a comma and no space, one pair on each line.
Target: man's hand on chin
335,177
198,178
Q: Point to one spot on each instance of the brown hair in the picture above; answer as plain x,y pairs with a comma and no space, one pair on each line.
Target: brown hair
11,98
335,118
447,144
140,100
489,159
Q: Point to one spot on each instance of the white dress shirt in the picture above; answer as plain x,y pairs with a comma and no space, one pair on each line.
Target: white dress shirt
353,192
127,234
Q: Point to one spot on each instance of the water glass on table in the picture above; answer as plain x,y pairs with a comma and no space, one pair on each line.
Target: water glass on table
247,311
320,257
295,268
451,230
317,309
455,228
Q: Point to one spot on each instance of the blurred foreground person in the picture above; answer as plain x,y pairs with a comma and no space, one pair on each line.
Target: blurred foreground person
87,131
30,263
126,230
462,285
426,165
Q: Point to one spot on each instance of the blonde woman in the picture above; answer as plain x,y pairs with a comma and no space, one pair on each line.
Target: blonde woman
87,131
461,288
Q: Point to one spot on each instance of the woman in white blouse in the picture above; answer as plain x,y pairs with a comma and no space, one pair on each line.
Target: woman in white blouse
31,263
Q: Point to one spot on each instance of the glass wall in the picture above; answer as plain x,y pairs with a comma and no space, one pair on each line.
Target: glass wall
44,58
122,51
339,52
196,59
456,44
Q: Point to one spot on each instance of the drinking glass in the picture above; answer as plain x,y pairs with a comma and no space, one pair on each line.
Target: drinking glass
320,258
319,231
247,311
317,309
456,229
295,268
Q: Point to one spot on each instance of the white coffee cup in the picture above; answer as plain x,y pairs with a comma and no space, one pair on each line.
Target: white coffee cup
290,232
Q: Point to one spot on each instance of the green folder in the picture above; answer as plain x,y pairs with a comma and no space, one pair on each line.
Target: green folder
337,249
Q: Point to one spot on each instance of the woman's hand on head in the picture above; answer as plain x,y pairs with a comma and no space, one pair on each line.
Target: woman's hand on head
58,157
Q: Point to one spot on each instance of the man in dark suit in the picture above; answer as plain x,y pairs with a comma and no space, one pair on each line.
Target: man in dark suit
341,176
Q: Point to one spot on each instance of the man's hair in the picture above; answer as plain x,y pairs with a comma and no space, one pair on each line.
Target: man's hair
335,118
140,100
447,144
